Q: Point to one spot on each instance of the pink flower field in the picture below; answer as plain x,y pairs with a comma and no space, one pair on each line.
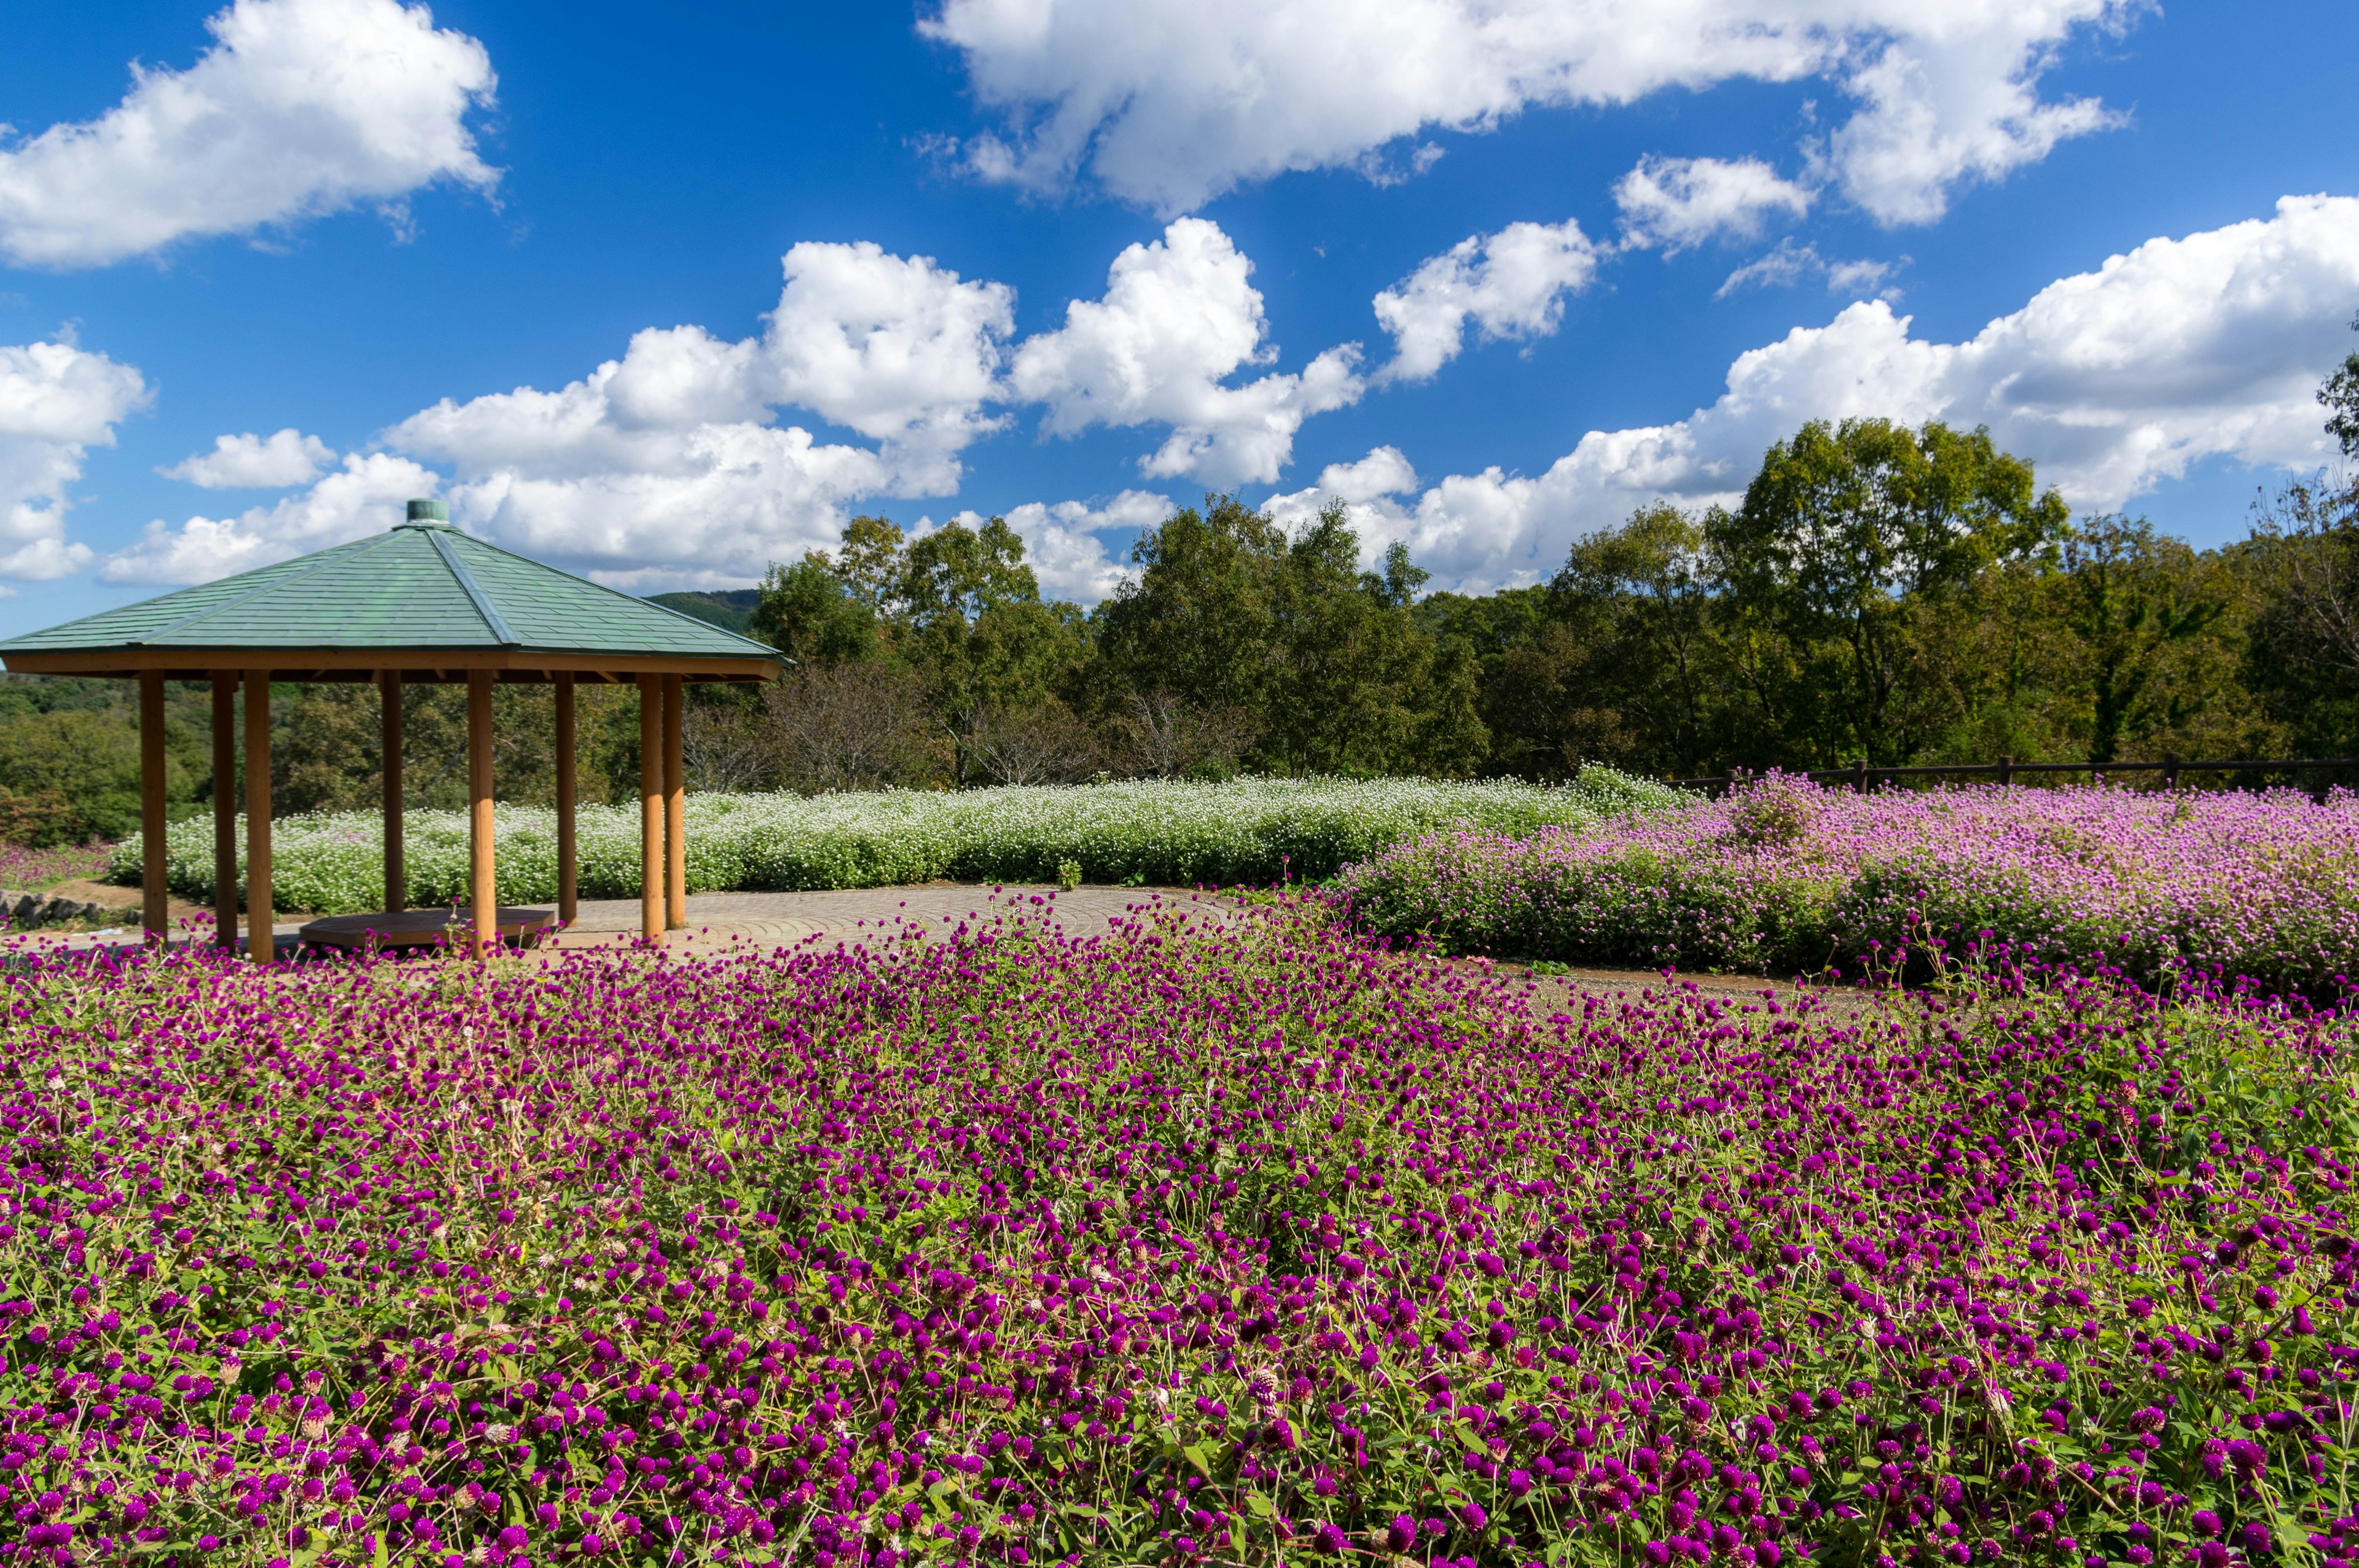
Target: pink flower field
1185,1247
1785,877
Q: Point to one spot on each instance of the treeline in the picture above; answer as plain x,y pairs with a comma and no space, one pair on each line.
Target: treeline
1881,593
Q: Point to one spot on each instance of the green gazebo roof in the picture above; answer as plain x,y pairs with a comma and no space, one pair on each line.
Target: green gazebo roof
420,587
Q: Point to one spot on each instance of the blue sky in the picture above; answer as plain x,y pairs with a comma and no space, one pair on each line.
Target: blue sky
1490,273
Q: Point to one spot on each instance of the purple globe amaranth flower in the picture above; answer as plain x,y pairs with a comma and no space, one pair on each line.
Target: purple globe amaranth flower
1020,1212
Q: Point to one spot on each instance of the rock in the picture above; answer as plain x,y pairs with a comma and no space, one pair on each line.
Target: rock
31,911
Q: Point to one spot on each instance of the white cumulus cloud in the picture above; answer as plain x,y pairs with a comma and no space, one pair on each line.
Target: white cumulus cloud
897,348
57,401
1788,263
260,462
1511,284
668,464
1956,101
363,496
2210,345
1062,544
1168,102
1676,204
1384,472
300,107
661,462
1178,317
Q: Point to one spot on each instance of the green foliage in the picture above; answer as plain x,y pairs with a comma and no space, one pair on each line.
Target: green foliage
732,610
2134,601
1906,596
2340,396
807,615
86,760
1168,832
1197,617
326,748
1841,531
1332,669
2301,652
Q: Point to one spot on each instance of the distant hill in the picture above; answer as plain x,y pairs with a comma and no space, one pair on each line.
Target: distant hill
730,608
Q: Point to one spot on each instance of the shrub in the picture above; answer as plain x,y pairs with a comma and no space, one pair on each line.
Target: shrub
1785,877
1167,831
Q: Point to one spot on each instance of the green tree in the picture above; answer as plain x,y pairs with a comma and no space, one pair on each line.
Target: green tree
2341,397
2137,605
2301,654
972,623
1196,619
1843,527
1642,597
808,613
1361,688
70,754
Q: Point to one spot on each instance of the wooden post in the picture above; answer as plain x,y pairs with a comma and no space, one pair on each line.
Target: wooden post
1859,776
482,880
154,911
260,946
569,901
2006,771
396,873
2170,770
675,808
225,808
651,810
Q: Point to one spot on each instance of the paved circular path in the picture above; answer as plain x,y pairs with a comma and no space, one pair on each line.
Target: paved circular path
769,920
858,916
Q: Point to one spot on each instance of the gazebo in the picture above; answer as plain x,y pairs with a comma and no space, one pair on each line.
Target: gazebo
420,602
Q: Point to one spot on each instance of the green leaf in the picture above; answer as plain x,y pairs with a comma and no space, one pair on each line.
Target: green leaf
1195,1455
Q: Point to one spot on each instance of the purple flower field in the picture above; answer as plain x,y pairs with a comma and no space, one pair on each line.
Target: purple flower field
1183,1247
1785,877
30,869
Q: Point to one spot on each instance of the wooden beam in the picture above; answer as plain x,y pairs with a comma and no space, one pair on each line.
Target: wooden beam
569,901
259,943
483,878
154,916
675,809
652,811
396,871
225,808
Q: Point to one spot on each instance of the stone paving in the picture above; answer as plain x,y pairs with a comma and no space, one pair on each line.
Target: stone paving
855,916
774,920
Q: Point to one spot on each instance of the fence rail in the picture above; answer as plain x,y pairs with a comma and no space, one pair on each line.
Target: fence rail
1859,776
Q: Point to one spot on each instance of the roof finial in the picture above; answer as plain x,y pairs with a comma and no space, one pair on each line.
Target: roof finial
429,512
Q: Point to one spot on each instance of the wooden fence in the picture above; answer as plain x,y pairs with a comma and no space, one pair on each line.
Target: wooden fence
2006,770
